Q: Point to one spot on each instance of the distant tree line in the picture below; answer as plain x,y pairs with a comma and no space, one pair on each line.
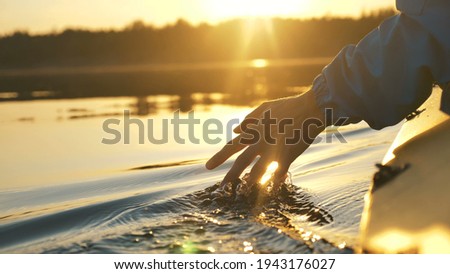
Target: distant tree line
182,42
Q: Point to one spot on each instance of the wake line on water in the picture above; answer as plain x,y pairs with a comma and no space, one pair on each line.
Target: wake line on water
200,222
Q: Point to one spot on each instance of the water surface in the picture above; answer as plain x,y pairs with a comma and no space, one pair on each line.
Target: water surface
63,191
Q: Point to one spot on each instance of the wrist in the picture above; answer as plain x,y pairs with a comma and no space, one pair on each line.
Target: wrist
312,107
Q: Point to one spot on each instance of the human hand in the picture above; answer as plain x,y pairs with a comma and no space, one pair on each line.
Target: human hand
279,130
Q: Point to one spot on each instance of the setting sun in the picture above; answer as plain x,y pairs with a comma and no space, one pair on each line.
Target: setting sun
259,63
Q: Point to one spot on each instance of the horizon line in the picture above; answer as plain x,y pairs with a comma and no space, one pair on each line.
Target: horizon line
56,31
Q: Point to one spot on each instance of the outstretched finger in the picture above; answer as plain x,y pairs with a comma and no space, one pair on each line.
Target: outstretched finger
251,118
226,152
241,163
243,140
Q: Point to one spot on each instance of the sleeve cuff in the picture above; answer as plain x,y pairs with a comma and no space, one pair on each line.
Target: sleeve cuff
321,93
334,115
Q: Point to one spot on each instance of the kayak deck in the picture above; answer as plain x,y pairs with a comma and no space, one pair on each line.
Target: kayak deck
410,211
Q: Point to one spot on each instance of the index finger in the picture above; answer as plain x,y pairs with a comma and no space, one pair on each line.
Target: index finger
226,152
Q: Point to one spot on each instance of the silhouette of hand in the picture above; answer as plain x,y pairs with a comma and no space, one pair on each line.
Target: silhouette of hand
279,130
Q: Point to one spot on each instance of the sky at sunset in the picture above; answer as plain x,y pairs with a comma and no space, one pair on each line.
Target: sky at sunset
40,16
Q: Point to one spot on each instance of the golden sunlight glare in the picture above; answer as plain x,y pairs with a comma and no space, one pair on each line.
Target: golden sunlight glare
256,8
253,27
270,169
259,63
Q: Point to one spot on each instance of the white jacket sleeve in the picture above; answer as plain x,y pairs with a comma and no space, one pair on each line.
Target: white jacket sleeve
390,72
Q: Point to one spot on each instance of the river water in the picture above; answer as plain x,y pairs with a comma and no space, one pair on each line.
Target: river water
63,190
